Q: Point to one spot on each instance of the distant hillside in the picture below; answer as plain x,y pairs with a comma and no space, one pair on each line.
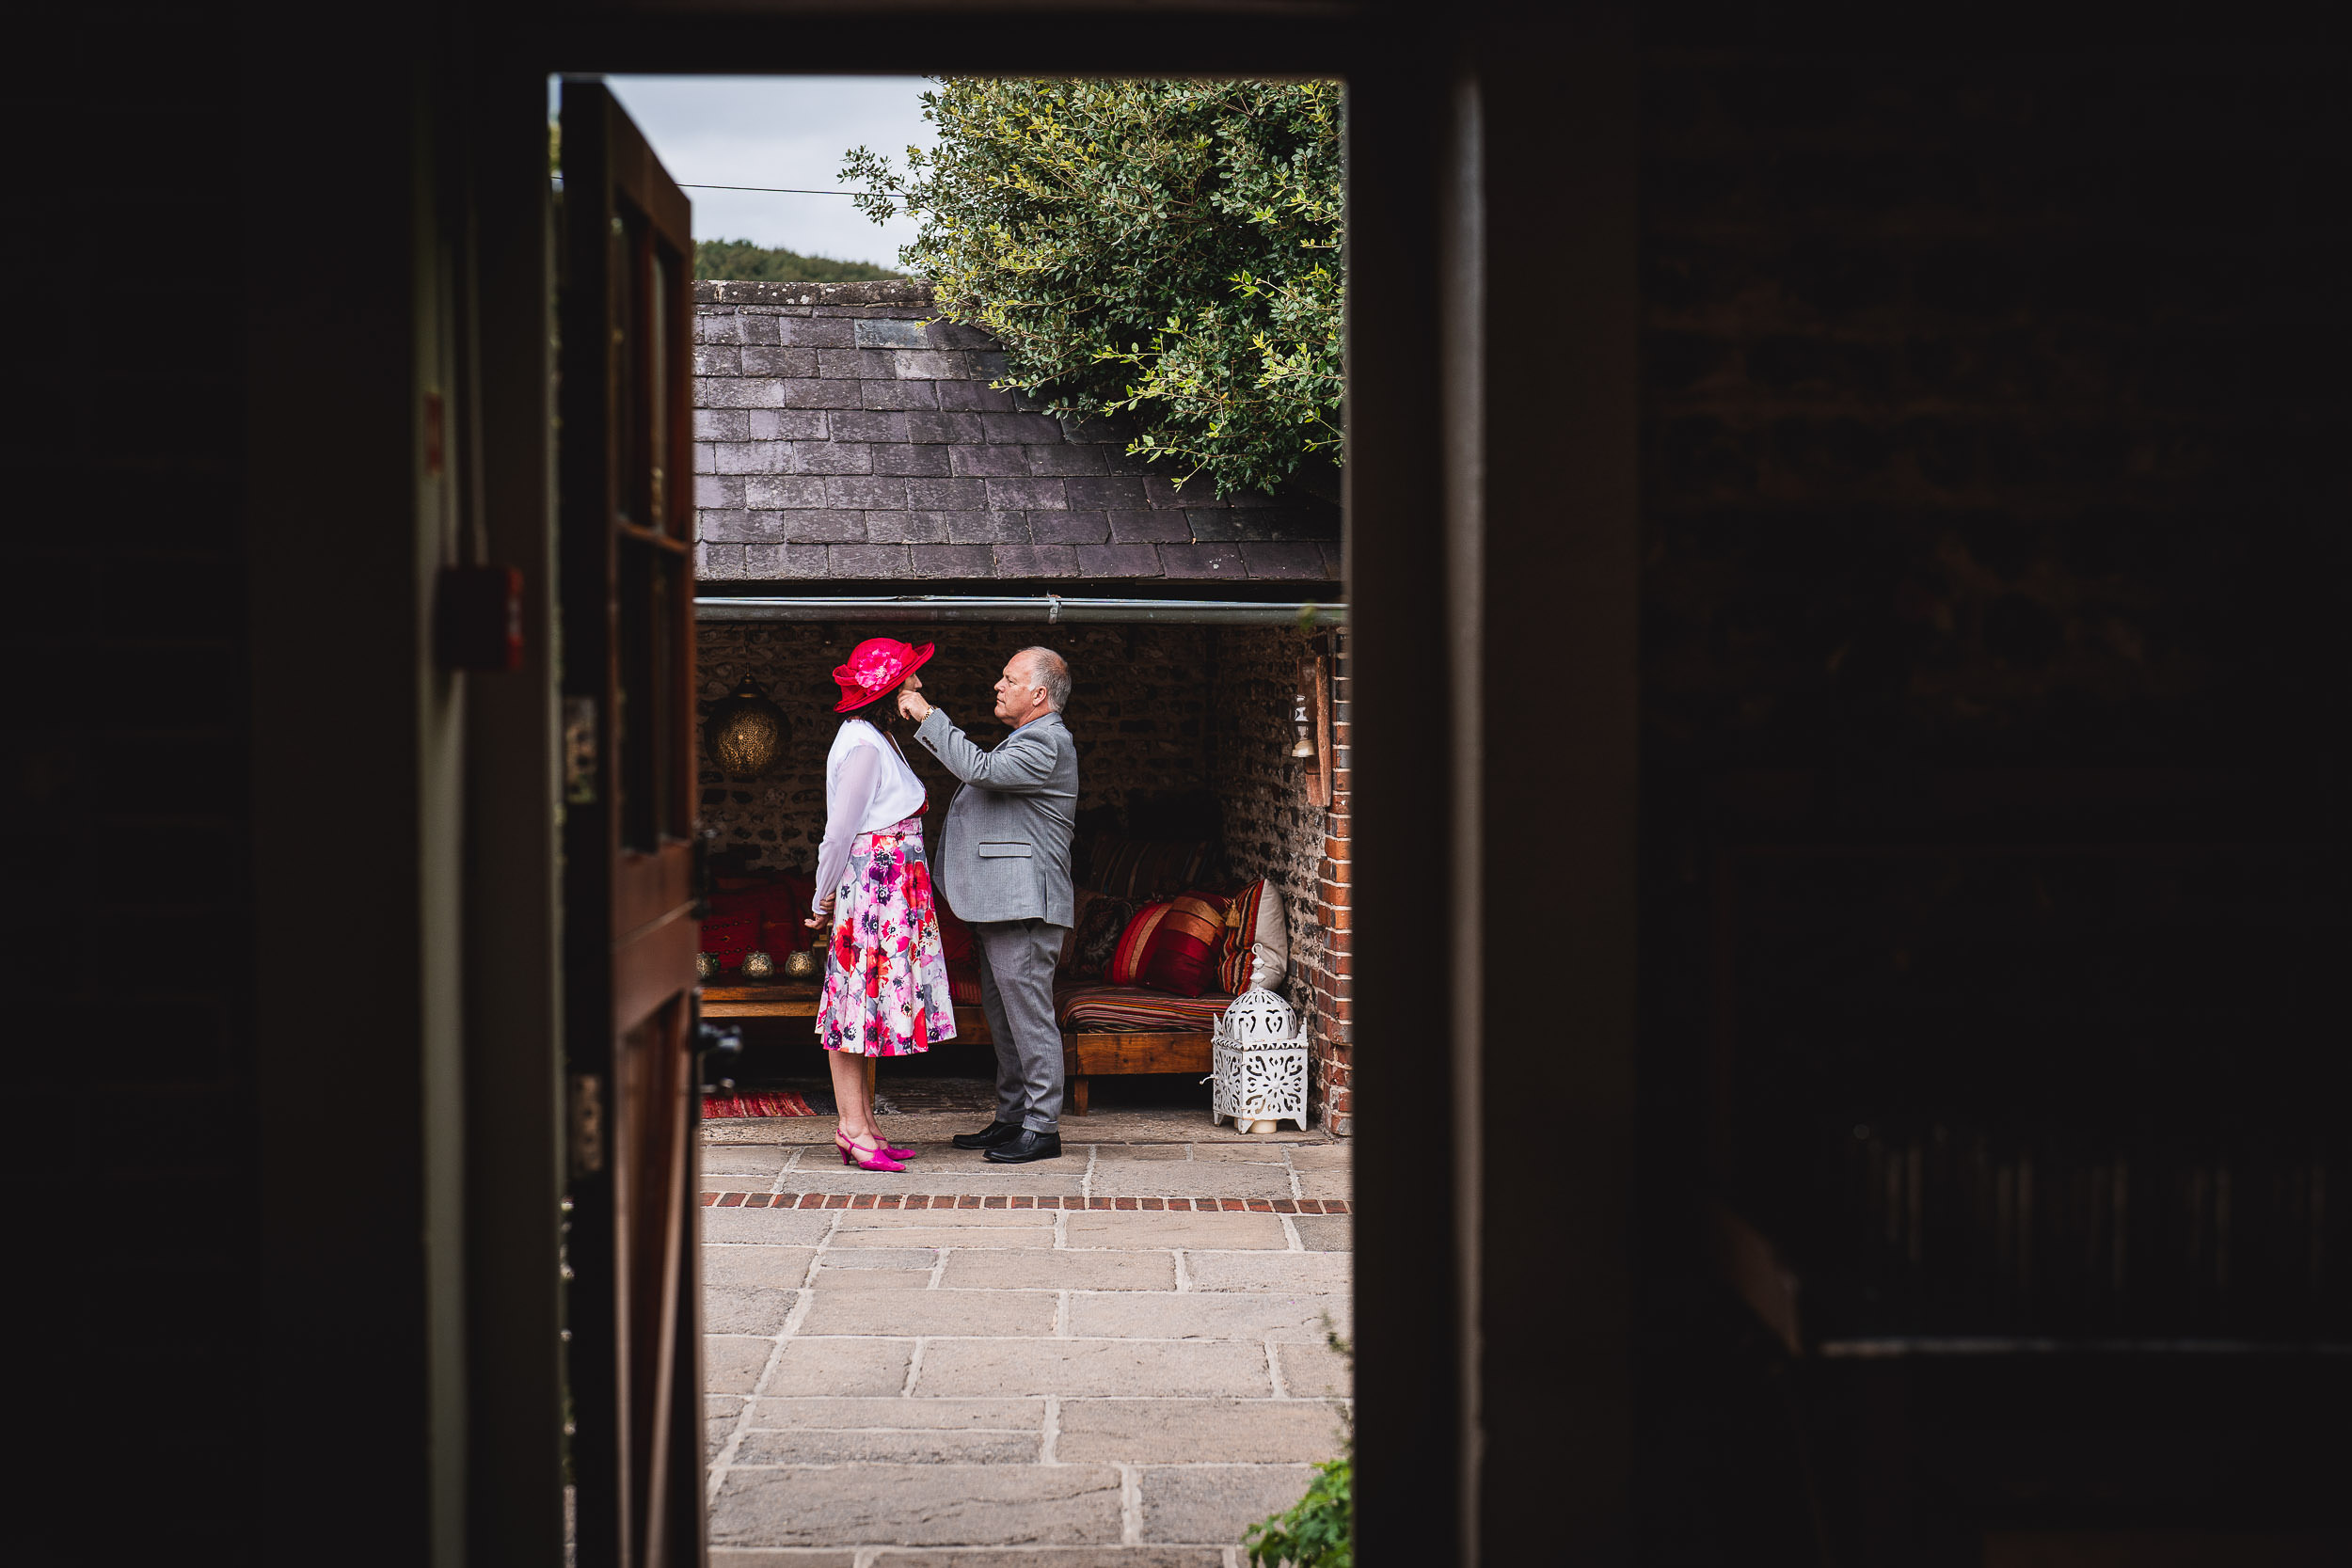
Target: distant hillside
742,261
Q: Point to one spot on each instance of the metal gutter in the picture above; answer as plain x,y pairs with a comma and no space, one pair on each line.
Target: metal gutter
1050,609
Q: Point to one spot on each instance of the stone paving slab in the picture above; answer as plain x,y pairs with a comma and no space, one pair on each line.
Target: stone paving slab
1187,1178
1081,1366
1136,1231
732,1363
878,1269
1071,1387
1324,1273
1216,1502
746,1309
722,1415
858,1367
920,1505
967,1313
1295,1318
900,1414
889,1447
772,1227
1188,1432
1049,1556
743,1157
933,1235
1325,1232
973,1268
1314,1371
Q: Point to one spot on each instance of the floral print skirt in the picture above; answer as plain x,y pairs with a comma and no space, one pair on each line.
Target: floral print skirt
885,974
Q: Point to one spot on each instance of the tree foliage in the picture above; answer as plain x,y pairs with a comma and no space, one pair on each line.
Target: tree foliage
742,261
1167,250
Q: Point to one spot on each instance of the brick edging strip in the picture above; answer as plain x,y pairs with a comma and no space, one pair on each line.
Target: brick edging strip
1027,1200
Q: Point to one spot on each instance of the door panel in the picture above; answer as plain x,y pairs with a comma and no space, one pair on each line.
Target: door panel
625,325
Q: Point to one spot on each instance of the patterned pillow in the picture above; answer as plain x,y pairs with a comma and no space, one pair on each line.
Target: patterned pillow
1182,956
1256,950
1127,959
1095,938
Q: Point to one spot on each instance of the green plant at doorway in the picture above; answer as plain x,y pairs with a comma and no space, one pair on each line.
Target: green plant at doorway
1318,1530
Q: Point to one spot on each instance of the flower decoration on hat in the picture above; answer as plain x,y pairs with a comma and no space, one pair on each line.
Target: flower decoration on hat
877,666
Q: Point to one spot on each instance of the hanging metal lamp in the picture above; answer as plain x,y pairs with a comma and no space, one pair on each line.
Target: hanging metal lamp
746,734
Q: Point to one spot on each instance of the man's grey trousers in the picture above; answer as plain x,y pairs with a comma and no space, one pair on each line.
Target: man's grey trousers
1017,960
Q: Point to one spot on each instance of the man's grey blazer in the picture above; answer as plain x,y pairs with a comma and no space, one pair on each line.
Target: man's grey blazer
1004,851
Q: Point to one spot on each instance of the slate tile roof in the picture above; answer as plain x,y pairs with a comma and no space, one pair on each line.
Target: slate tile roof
842,435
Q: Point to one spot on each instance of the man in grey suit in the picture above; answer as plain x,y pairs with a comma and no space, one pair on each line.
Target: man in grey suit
1002,863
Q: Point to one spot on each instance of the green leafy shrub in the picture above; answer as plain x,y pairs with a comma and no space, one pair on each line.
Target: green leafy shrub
1167,251
1318,1531
742,261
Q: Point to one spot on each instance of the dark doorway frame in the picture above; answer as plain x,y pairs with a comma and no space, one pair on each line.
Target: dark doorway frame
1491,537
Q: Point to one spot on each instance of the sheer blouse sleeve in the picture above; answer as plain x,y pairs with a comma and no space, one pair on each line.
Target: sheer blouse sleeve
849,797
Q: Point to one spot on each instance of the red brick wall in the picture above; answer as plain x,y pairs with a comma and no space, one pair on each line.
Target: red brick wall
1335,1035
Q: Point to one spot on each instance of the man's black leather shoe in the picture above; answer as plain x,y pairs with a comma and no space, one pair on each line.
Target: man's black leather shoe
1028,1147
995,1133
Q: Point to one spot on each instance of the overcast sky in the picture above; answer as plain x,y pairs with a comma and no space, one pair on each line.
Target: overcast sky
779,131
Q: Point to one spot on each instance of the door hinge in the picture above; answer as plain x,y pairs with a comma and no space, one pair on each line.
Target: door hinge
587,1124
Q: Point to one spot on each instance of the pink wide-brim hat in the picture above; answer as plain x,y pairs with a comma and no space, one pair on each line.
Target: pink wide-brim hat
876,669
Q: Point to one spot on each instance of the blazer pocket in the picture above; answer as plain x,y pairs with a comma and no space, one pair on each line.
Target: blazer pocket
1003,849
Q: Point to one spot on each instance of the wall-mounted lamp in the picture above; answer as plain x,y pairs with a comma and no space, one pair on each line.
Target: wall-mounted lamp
746,733
1310,716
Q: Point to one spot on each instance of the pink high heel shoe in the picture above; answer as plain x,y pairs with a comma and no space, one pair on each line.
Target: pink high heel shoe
853,1155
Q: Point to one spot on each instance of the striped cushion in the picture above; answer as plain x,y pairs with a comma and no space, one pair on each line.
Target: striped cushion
1256,950
1127,1009
1127,959
1181,956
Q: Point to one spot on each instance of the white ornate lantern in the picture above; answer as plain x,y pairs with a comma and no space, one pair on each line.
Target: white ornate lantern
1260,1061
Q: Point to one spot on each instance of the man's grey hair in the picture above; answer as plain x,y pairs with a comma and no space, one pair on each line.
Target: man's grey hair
1051,670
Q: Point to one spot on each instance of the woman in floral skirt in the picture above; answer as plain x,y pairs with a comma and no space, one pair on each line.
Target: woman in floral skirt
885,974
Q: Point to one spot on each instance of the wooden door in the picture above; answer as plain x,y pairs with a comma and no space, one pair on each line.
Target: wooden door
625,325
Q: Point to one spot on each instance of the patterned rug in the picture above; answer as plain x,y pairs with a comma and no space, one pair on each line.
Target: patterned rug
719,1107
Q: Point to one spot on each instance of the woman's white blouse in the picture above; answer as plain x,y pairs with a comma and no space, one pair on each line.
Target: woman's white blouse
868,786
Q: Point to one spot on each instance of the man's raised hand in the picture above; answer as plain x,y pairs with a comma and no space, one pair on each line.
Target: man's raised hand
911,705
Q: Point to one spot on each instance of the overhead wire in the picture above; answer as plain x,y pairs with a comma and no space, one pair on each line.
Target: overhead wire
773,190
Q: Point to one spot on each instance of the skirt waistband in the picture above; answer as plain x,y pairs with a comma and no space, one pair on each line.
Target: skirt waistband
911,826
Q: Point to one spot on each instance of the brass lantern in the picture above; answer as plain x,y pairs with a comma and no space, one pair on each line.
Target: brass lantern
746,734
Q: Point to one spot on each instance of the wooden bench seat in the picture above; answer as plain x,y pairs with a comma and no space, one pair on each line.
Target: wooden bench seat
1084,1055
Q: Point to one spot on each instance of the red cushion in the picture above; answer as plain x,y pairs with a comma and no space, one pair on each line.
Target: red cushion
1181,956
1127,958
955,937
730,936
740,902
964,982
